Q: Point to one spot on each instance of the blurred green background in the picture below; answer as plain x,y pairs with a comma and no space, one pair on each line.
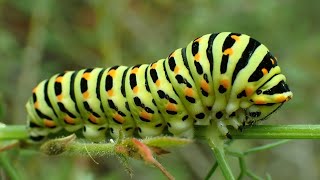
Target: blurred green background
42,37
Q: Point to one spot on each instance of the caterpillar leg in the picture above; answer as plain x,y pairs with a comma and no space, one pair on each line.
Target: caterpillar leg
237,119
189,133
218,115
222,127
37,138
94,133
222,120
234,123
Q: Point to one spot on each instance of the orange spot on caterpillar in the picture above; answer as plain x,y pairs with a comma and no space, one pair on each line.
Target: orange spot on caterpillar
197,57
118,118
93,119
204,85
110,92
176,70
36,104
60,97
158,83
171,55
249,91
198,39
34,90
135,70
49,123
188,92
86,75
171,107
281,99
145,115
264,71
228,51
259,102
235,37
224,83
112,73
154,65
85,95
59,79
68,120
135,89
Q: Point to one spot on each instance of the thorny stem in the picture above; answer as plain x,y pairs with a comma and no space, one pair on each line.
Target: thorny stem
125,148
163,170
147,155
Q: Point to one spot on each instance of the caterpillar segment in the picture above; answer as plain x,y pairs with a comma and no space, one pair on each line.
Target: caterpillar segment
224,78
40,124
114,101
178,120
185,87
148,118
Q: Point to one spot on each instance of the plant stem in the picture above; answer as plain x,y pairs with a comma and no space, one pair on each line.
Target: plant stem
266,147
13,132
5,164
221,159
94,149
270,132
217,145
278,132
19,132
212,170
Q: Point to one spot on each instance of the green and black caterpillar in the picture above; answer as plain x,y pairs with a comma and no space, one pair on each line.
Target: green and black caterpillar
224,78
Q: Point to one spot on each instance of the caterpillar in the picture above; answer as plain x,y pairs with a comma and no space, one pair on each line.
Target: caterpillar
224,78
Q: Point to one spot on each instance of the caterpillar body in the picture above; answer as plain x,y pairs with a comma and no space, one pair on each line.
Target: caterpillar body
224,78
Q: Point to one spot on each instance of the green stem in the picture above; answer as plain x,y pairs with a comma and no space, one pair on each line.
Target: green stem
5,164
253,176
221,159
270,132
278,132
243,168
266,147
93,149
217,145
16,132
255,132
212,170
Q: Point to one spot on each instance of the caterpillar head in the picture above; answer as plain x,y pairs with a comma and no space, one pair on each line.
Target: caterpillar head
268,98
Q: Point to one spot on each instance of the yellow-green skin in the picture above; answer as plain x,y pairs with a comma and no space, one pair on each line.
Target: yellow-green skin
224,78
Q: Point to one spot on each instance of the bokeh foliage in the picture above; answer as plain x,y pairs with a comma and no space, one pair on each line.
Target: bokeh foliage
42,37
